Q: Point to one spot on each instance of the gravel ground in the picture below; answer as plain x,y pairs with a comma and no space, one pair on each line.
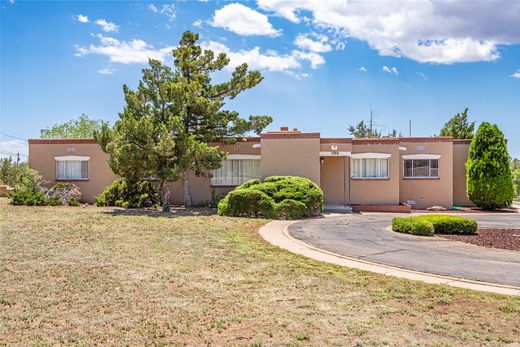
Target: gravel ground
491,237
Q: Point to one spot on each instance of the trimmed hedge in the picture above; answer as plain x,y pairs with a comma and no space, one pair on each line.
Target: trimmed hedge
427,225
247,203
122,194
292,197
290,209
414,227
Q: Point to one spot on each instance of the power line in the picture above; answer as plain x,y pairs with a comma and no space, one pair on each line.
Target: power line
14,137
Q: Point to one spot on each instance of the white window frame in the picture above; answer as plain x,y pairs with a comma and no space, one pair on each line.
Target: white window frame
378,167
236,157
72,158
429,167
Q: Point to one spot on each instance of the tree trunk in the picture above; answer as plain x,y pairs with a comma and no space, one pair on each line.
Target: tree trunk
187,194
165,196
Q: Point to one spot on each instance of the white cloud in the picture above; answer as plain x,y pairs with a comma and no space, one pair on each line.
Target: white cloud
124,52
9,148
319,45
270,61
363,69
434,31
106,71
81,18
242,20
516,74
422,75
197,23
107,26
314,58
169,11
390,70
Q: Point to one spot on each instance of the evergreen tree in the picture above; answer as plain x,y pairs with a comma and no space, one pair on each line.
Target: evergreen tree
489,182
168,123
458,127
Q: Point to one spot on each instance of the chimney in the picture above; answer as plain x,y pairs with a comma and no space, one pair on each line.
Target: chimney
284,128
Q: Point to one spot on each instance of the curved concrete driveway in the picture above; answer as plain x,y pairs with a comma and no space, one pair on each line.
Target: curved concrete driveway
369,238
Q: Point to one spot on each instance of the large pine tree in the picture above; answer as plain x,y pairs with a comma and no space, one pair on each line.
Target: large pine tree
489,182
167,124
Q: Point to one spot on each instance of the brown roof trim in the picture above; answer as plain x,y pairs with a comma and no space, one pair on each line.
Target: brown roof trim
373,141
61,141
336,140
426,139
461,141
290,136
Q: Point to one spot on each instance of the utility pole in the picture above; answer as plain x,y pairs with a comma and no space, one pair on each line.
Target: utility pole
371,121
17,158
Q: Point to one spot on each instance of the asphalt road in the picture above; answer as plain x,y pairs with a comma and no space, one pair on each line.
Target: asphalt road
369,237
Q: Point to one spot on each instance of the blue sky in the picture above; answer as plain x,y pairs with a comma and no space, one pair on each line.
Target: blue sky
324,63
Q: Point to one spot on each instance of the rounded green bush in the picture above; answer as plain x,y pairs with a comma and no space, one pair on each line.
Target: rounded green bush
122,194
247,203
438,224
290,209
280,189
413,227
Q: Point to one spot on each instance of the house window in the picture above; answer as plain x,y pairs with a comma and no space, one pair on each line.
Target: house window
72,169
234,172
421,168
370,168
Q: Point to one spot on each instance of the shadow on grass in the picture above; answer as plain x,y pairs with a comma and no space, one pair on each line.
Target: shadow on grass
176,212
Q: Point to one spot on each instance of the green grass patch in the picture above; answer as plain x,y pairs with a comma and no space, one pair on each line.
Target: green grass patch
111,276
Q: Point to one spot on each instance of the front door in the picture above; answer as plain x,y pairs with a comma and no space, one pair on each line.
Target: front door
333,180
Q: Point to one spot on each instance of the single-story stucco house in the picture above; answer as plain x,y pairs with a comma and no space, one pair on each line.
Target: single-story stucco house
420,171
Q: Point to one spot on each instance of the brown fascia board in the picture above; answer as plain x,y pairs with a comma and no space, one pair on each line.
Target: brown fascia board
336,140
426,139
288,135
375,141
461,141
61,141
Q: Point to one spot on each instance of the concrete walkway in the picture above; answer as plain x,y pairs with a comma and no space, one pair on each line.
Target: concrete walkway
277,233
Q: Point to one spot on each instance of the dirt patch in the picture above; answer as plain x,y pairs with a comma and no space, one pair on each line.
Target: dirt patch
491,237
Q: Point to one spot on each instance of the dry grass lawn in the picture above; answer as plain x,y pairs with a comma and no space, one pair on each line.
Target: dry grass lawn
84,276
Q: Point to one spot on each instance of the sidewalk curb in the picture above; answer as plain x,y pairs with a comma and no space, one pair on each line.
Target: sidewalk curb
276,233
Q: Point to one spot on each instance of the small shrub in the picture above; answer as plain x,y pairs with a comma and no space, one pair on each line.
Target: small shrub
290,209
413,227
122,194
439,224
247,203
445,224
73,201
289,193
28,198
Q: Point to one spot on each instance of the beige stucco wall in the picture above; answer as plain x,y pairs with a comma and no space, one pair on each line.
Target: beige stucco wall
377,191
460,156
41,158
429,192
291,156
